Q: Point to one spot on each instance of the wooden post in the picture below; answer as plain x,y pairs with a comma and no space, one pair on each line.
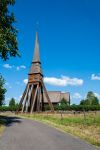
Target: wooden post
42,105
38,100
30,92
34,99
22,98
25,98
48,99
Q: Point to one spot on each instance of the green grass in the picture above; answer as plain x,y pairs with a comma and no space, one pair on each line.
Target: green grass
87,128
2,126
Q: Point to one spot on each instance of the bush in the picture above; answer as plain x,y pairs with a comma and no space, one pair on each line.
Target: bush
58,107
85,107
8,108
78,107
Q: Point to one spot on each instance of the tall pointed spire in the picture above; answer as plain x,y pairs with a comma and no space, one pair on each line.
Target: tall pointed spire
36,64
36,57
33,96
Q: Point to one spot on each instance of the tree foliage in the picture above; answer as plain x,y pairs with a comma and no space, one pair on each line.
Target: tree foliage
8,33
63,105
63,101
2,90
12,102
91,99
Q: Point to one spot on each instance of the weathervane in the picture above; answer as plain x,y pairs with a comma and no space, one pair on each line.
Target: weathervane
37,26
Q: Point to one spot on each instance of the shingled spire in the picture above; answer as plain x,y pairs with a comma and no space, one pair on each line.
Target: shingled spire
36,64
36,57
33,96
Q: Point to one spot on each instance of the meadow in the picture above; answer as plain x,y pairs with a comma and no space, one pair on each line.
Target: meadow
2,126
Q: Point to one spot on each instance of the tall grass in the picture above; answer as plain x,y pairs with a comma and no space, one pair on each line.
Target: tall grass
2,126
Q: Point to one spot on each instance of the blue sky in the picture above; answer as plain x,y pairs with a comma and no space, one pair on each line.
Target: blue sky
69,37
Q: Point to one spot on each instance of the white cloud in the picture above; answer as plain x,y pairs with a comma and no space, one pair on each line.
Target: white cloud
95,77
97,95
20,96
10,87
77,96
17,68
63,91
7,66
8,98
6,83
20,67
63,81
55,81
25,81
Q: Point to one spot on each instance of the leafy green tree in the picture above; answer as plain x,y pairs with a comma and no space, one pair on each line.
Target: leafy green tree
91,99
8,33
82,102
12,102
63,105
2,90
95,101
63,102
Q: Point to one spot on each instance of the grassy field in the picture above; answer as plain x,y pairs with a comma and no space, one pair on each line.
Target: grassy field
86,126
2,126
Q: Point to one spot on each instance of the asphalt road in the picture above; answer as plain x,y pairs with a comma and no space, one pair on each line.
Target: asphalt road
24,134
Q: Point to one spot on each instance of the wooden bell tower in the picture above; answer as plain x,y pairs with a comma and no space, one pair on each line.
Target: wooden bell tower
33,97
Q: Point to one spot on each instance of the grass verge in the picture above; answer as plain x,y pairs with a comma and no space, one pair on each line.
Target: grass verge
86,127
2,126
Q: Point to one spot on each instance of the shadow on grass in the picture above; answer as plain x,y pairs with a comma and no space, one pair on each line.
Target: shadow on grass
9,121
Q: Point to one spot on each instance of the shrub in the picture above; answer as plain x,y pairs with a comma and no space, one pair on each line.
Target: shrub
8,108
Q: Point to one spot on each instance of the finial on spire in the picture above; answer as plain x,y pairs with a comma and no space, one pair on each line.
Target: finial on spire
37,26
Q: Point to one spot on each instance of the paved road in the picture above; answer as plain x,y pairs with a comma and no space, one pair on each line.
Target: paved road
23,134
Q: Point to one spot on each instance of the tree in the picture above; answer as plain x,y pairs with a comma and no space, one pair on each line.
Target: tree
8,33
2,90
63,102
95,101
63,105
82,102
12,102
91,99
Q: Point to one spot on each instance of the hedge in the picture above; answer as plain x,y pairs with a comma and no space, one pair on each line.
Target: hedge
75,108
57,108
7,108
